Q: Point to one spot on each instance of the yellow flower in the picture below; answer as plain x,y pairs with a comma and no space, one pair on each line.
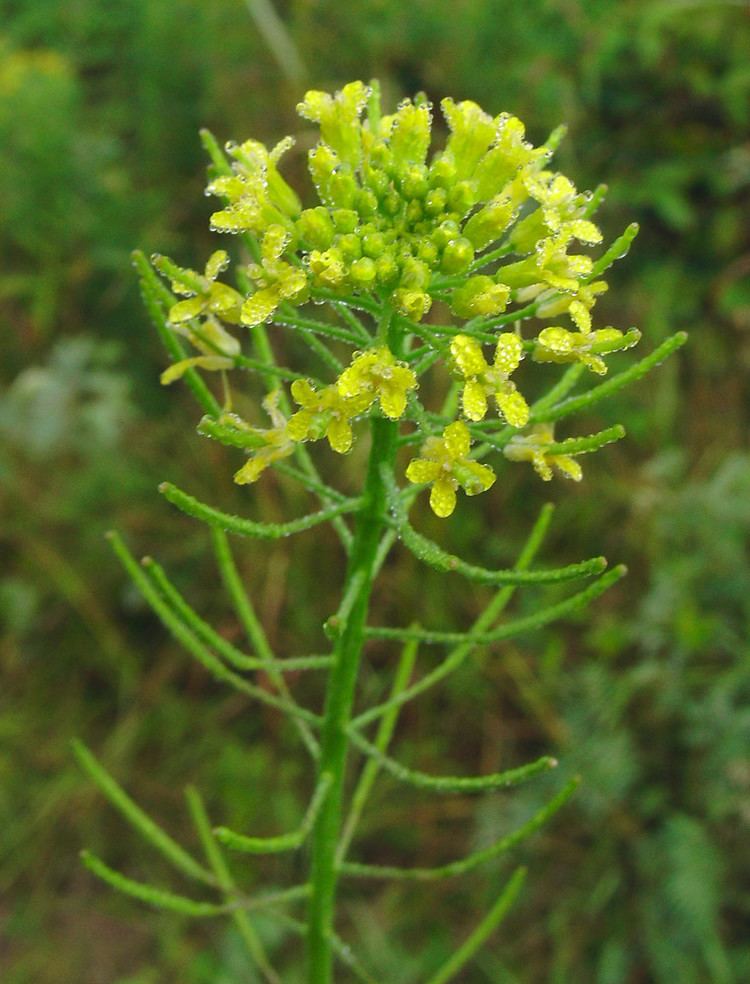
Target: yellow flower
377,375
549,265
482,379
274,443
556,344
205,295
275,279
256,193
325,413
533,447
578,307
446,466
338,116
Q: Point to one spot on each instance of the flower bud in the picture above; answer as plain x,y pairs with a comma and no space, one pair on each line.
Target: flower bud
489,223
413,181
435,201
363,272
479,296
314,228
458,256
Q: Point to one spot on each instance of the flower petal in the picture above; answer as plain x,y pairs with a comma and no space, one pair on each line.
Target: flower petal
443,497
339,434
475,477
392,399
422,471
217,262
468,356
509,352
186,310
513,406
259,306
303,392
474,400
568,466
541,467
457,440
556,339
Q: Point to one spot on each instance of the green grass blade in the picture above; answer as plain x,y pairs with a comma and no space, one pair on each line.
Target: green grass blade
452,784
483,931
516,627
285,842
275,33
473,860
193,645
157,897
224,878
137,818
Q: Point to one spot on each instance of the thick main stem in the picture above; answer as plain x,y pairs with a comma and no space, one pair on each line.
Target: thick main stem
341,686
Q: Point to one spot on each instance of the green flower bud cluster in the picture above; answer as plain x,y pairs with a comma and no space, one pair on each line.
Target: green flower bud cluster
390,220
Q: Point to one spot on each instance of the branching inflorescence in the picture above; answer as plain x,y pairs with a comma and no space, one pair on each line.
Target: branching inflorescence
474,258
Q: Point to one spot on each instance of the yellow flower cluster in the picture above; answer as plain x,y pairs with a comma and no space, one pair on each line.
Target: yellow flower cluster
372,377
478,226
483,380
391,220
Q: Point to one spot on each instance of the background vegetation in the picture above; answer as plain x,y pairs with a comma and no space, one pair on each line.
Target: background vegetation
640,880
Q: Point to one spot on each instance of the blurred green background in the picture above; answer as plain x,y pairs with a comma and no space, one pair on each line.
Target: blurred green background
640,879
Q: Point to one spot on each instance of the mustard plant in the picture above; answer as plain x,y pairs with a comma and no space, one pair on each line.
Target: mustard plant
473,258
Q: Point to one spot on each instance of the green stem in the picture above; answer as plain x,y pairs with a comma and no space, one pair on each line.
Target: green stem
370,523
